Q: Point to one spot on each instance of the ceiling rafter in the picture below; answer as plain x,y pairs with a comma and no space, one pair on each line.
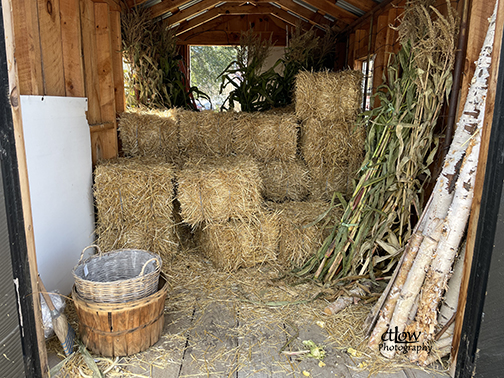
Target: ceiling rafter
235,10
313,18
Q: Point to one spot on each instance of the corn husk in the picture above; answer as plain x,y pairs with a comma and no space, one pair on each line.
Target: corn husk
215,190
133,198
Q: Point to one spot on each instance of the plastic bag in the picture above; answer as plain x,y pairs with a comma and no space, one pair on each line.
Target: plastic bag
59,303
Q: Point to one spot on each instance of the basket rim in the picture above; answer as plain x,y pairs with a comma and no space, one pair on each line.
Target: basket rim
96,256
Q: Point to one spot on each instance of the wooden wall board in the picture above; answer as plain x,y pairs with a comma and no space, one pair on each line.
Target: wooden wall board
72,48
479,181
92,84
117,63
15,102
28,56
51,47
104,62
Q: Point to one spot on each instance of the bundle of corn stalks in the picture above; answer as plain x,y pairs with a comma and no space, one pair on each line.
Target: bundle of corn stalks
154,78
411,302
400,146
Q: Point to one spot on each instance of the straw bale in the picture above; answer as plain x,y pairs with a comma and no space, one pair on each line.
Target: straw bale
329,179
325,142
133,197
297,242
335,96
241,243
285,180
215,190
266,136
150,133
205,133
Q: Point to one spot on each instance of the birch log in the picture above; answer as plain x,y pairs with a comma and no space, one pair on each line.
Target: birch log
458,213
469,126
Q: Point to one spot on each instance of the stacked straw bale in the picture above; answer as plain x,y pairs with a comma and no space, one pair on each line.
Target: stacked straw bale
218,189
134,202
241,243
150,133
285,180
299,237
205,133
326,95
331,143
266,137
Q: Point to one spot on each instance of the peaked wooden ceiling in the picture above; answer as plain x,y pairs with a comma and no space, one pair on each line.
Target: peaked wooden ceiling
192,18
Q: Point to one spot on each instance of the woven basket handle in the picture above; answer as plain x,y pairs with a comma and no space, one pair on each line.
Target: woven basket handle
84,250
145,265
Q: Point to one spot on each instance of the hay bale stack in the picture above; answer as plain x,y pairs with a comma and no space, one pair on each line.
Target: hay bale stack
333,152
205,133
150,133
334,96
266,137
217,189
236,243
285,180
297,243
133,197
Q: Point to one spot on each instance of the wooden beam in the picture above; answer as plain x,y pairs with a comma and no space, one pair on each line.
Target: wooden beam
17,120
480,12
364,5
235,10
226,30
115,28
333,10
52,51
313,18
90,61
114,5
72,48
108,139
482,163
28,55
166,6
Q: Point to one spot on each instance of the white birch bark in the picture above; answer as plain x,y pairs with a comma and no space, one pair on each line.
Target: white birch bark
469,125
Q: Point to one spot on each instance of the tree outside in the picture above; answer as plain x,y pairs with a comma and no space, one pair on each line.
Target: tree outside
207,63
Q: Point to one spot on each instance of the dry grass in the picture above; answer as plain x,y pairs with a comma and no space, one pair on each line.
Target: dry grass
134,202
334,96
215,190
235,244
150,133
297,241
206,133
285,180
266,136
266,321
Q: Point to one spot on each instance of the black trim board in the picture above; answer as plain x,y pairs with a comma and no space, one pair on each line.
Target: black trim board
15,220
484,246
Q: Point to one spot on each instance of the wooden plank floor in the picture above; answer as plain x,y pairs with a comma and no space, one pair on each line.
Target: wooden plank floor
235,325
212,345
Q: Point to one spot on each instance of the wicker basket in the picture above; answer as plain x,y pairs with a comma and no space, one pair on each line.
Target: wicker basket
117,276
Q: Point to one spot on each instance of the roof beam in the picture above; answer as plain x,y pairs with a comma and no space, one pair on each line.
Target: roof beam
333,10
313,18
235,10
166,6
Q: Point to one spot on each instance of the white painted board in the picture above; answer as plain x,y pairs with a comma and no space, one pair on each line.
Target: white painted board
58,156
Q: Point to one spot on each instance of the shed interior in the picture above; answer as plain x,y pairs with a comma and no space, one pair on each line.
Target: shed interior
66,77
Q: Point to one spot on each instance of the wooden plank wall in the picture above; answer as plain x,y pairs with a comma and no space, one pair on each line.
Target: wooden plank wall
72,48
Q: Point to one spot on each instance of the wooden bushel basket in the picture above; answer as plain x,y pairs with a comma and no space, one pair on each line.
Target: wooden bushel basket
121,329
